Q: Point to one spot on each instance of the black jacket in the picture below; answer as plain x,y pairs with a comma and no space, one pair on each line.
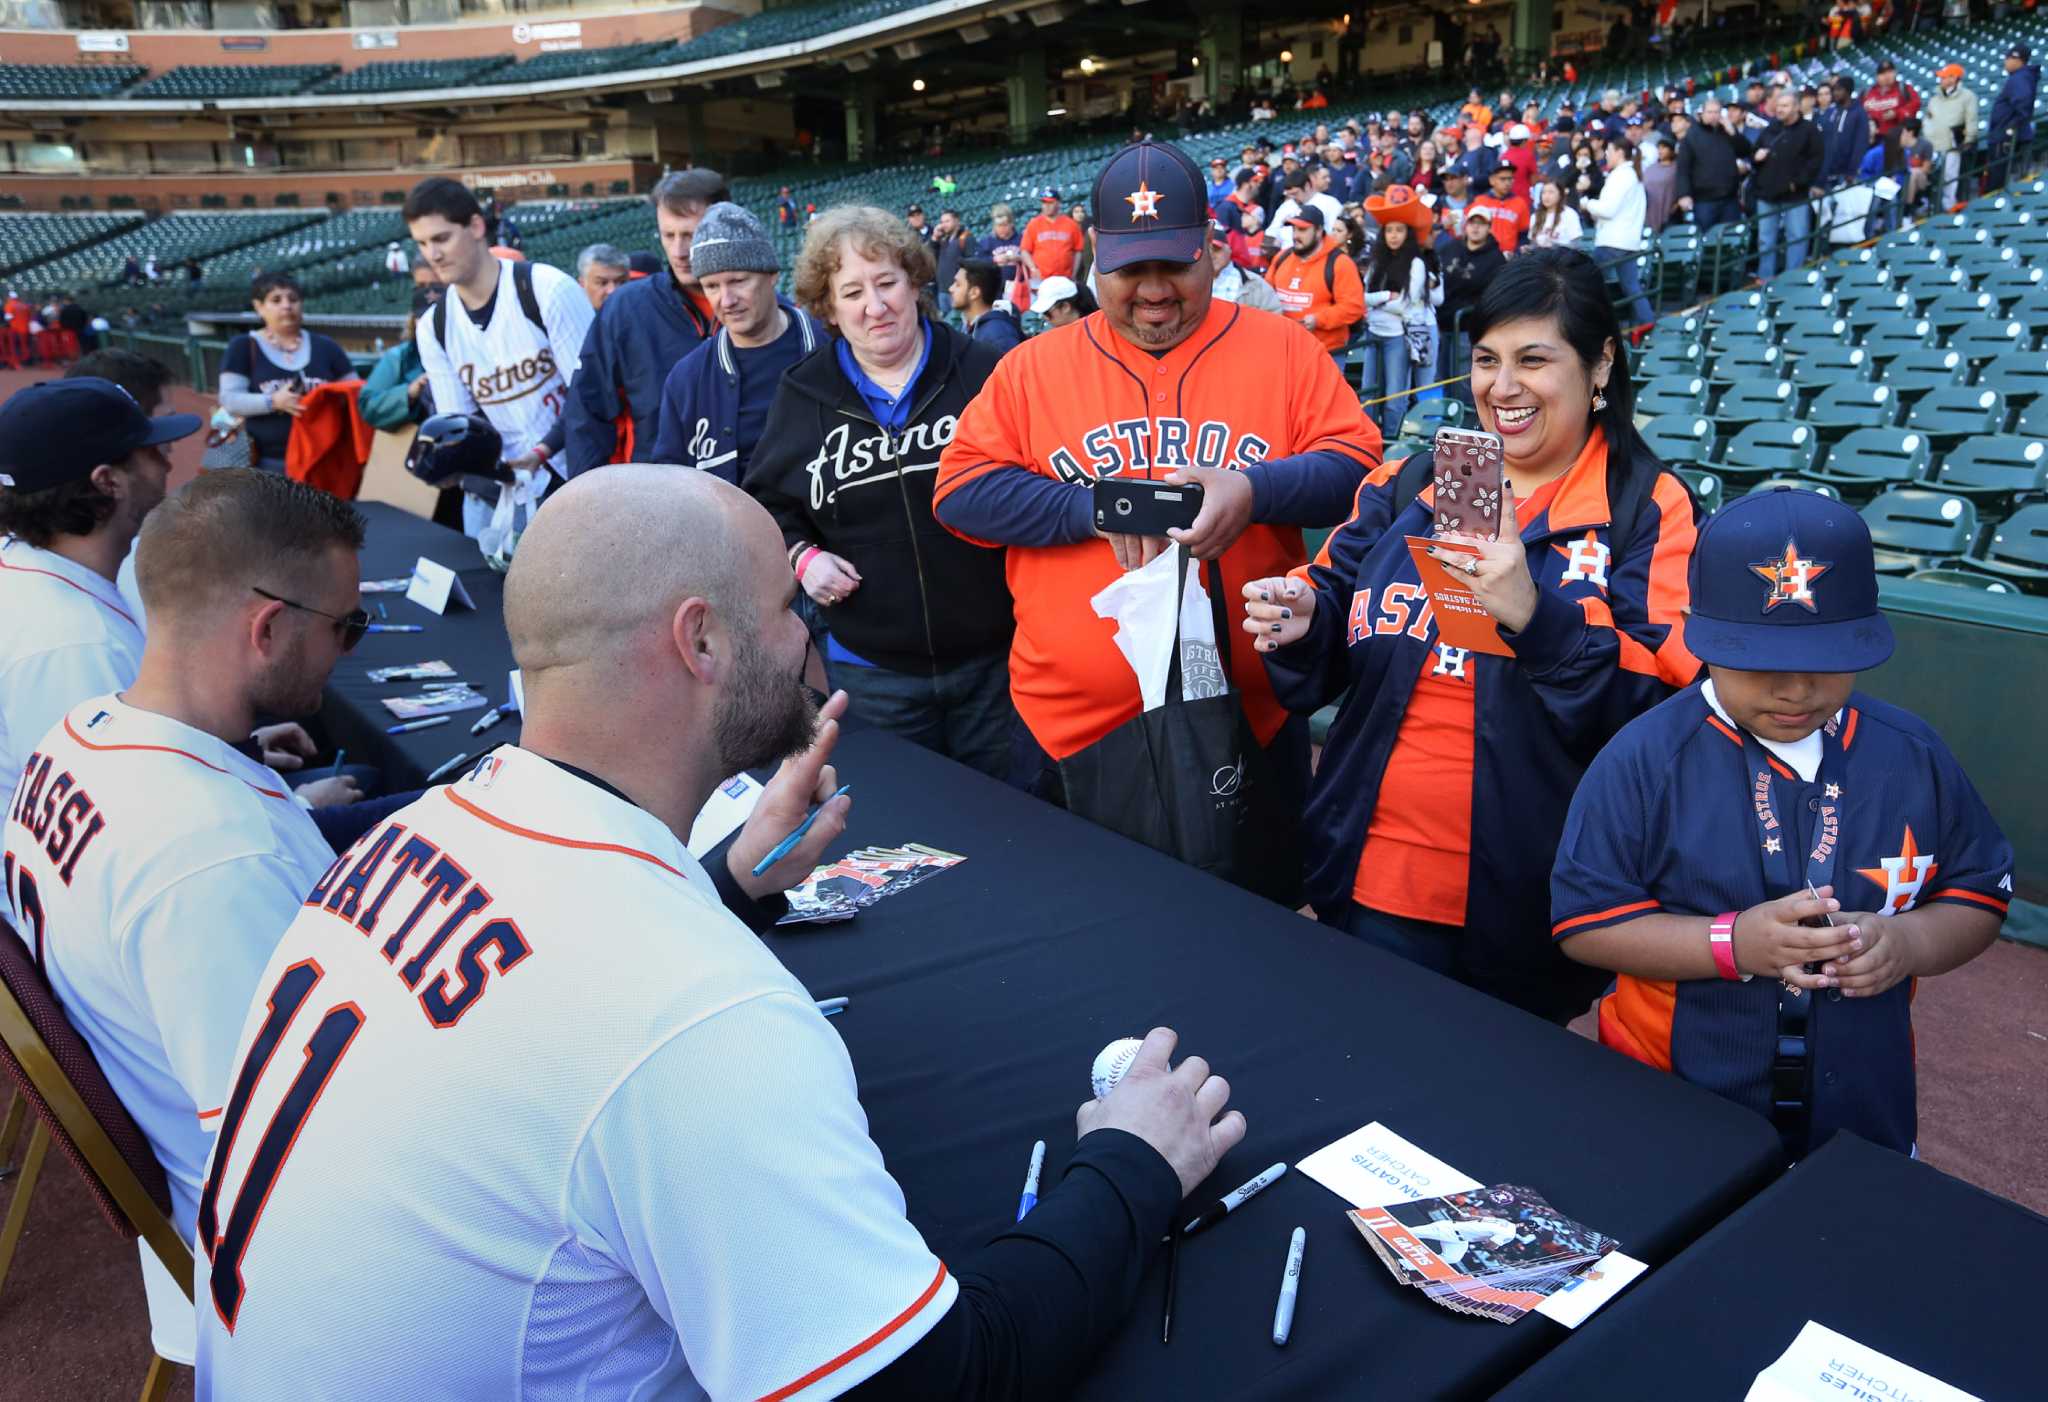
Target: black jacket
1465,276
1795,160
1706,163
833,477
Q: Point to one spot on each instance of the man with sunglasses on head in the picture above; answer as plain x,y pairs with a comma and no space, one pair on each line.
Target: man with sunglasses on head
152,858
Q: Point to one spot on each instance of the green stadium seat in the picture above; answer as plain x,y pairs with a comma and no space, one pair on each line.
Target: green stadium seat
1917,528
1805,300
1756,400
1746,360
2018,549
1775,450
1681,438
1840,408
1963,579
1919,372
1955,310
1869,460
2011,282
1952,414
2021,377
1880,307
1793,484
1672,394
1819,331
1706,487
1732,332
1996,471
1430,415
1678,360
1990,340
1892,338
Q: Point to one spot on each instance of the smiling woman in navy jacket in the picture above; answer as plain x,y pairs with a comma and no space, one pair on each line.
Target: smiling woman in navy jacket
1436,811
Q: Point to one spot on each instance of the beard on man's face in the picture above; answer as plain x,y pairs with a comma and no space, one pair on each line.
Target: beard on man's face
767,715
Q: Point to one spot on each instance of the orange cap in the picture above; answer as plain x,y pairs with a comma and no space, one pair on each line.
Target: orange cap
1952,70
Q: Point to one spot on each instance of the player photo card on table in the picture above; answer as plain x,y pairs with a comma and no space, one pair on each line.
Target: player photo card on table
1496,1252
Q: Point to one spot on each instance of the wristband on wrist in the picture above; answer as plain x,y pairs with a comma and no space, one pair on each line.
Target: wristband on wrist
803,561
1721,940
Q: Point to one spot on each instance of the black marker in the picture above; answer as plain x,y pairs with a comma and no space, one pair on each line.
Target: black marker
1236,1200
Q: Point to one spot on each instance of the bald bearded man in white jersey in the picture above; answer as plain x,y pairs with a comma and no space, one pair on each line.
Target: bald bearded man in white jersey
523,1110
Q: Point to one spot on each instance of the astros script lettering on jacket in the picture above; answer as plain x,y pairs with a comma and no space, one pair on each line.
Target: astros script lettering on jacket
1162,444
853,462
509,382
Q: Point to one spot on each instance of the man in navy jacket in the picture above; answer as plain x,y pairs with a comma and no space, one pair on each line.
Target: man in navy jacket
1844,133
640,333
2012,112
714,404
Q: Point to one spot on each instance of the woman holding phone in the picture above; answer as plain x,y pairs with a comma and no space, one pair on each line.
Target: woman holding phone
1437,809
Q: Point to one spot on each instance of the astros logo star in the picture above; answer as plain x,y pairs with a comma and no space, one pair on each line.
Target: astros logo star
1791,578
1144,202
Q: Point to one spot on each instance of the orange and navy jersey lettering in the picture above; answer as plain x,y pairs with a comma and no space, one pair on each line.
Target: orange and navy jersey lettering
1081,403
1606,643
1665,822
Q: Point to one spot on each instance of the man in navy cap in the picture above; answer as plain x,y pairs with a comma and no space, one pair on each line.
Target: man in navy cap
2012,112
1171,384
1769,858
80,466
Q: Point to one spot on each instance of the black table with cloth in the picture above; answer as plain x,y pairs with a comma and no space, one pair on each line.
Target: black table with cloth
1900,1257
980,998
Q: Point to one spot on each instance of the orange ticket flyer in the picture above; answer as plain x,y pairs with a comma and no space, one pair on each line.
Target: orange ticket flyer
1461,620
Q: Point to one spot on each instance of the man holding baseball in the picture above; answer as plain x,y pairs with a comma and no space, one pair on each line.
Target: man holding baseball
676,1196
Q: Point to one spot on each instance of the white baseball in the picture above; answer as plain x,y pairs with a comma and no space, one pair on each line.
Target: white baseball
1111,1063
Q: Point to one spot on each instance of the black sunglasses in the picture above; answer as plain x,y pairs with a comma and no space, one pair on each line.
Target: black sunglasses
350,627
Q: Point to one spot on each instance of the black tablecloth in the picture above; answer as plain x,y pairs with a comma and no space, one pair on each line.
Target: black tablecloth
1898,1256
474,644
981,997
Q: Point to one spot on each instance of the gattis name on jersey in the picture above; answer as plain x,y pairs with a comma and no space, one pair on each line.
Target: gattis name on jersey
508,382
1161,444
434,879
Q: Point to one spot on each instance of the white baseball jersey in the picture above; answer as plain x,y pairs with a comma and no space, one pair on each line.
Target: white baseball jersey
522,1111
68,635
153,867
507,369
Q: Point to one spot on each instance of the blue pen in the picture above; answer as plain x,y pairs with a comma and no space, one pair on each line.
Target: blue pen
339,756
788,844
396,628
406,727
1030,1198
832,1007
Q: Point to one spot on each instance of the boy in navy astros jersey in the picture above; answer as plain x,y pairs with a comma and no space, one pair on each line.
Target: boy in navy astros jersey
1769,859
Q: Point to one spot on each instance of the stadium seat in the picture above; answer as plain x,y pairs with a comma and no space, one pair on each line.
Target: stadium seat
1840,408
57,81
1681,439
1817,331
1769,449
1917,528
1963,579
1672,394
1756,401
1955,310
1426,418
1746,360
1920,372
1741,332
2021,377
2012,281
1952,414
1881,306
2018,549
1996,471
1686,361
1988,341
1705,485
1893,337
1871,459
203,80
1797,484
1805,300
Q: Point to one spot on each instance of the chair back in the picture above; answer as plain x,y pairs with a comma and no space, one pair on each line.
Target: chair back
51,1065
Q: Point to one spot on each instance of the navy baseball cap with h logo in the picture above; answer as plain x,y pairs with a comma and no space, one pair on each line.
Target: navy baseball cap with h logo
1151,203
1785,581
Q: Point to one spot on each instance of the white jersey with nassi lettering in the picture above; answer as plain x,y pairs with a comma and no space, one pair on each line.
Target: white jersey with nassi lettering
66,634
508,369
152,868
522,1111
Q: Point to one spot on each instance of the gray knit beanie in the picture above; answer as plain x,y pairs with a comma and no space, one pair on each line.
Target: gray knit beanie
730,240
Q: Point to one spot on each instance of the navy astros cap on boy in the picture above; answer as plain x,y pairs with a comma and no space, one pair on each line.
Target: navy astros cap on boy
60,430
1784,581
1151,202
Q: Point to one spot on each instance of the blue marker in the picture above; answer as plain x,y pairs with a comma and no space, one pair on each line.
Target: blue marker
339,756
1030,1198
407,727
788,844
832,1007
396,628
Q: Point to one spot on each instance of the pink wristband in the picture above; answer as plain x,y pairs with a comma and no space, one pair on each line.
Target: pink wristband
805,559
1721,940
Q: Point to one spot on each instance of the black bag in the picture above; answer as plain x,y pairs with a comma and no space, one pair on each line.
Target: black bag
1190,779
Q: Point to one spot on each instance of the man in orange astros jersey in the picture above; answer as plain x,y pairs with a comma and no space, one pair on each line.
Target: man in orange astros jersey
1165,383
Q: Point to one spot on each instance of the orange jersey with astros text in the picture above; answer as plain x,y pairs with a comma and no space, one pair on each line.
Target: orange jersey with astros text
1082,403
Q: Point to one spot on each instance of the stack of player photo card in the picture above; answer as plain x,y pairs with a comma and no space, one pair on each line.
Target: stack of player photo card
839,890
1495,1252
